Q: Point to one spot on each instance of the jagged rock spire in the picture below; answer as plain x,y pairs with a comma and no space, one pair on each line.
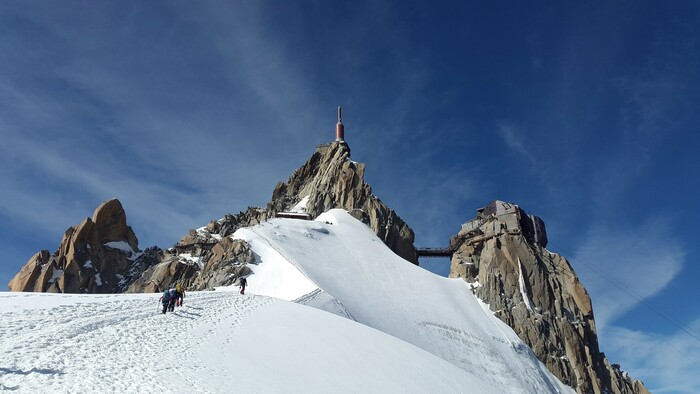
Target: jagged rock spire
99,255
538,294
331,180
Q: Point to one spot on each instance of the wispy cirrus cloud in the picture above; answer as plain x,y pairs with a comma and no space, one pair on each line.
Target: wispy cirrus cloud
624,265
515,140
172,147
669,361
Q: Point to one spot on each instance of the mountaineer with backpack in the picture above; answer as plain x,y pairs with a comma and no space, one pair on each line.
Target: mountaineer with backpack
165,299
180,294
243,282
173,299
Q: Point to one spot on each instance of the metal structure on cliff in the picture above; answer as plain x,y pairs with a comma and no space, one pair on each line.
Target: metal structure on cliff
339,128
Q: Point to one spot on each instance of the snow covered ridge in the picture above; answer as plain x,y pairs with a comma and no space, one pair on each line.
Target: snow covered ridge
399,329
356,275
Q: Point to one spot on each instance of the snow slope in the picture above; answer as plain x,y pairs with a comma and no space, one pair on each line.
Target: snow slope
399,329
217,342
362,279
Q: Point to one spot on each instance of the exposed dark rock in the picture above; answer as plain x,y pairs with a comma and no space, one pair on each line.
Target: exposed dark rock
331,180
164,275
99,255
226,262
199,268
536,292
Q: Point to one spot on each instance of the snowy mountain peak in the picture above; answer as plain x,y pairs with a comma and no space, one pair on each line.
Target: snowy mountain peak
337,264
328,180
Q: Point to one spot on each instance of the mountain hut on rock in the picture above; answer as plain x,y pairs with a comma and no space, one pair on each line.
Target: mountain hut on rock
511,218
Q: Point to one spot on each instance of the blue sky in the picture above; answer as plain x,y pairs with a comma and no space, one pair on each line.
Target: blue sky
584,114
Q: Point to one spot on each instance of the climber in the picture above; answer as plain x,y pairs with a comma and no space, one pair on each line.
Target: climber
173,299
180,294
243,282
165,299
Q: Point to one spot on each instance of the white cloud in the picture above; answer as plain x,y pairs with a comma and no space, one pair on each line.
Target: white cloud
83,184
623,265
514,140
172,149
666,363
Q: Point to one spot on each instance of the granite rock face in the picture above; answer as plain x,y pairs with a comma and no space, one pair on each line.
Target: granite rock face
207,257
204,258
502,253
164,275
204,265
329,179
227,262
99,255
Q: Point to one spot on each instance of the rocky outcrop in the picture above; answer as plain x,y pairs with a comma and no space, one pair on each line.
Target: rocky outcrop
198,269
206,237
165,275
99,255
227,261
502,254
207,257
329,179
28,277
204,258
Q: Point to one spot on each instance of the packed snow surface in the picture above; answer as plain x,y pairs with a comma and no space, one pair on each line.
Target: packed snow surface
301,206
400,329
217,342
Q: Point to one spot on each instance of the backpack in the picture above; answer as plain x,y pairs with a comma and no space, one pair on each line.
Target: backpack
166,295
173,293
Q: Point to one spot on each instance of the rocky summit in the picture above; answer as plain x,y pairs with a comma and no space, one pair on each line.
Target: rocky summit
207,257
99,255
502,253
329,179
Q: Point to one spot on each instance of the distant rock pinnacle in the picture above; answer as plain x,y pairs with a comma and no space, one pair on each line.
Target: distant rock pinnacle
99,255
